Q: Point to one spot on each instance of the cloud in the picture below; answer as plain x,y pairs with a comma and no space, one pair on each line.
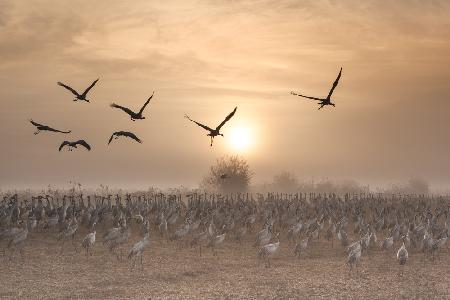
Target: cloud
204,56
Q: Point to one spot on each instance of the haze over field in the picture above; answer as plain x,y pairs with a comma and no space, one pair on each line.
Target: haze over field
203,58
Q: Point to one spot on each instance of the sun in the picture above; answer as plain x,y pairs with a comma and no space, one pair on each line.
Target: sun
240,138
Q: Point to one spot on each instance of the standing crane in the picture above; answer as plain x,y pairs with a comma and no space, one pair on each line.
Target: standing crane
137,250
268,250
88,243
402,257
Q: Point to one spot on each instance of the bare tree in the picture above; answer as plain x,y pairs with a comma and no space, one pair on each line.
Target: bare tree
418,186
228,174
285,182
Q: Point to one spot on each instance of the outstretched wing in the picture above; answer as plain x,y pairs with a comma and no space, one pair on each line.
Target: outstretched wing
69,88
148,101
227,118
312,98
335,83
199,124
111,138
131,135
61,131
57,130
84,144
127,110
63,144
90,87
35,124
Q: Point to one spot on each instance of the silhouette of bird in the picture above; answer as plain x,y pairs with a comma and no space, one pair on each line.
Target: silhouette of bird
117,134
323,101
79,96
134,116
40,127
72,145
213,132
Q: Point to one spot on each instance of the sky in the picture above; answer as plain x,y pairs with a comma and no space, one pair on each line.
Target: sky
203,58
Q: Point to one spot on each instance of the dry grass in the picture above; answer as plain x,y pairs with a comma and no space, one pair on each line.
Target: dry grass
170,273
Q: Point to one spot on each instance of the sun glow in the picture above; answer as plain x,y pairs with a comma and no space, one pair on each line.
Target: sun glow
240,138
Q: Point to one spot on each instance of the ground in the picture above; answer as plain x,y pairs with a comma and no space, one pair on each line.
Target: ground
171,273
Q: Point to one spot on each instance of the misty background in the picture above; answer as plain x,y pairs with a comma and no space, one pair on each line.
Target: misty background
203,58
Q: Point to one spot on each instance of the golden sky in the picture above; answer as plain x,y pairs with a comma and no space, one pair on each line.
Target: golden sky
203,58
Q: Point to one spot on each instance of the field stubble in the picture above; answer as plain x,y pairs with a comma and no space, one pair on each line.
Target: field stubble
171,273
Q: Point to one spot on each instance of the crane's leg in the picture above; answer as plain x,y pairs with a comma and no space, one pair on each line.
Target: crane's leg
11,255
211,141
22,254
62,246
142,263
73,243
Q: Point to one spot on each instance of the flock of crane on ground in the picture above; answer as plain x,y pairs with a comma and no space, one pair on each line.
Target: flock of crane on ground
361,225
212,132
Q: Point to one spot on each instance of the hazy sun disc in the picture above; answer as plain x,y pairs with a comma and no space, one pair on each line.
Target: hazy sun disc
240,138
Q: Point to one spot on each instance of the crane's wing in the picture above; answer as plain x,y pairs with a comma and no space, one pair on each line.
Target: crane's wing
35,124
132,135
63,144
61,131
84,144
227,118
312,98
335,83
69,88
145,104
199,124
90,87
56,130
127,110
111,138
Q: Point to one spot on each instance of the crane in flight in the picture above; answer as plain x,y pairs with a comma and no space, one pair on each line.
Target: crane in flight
41,127
78,96
134,116
117,134
73,145
323,101
213,132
